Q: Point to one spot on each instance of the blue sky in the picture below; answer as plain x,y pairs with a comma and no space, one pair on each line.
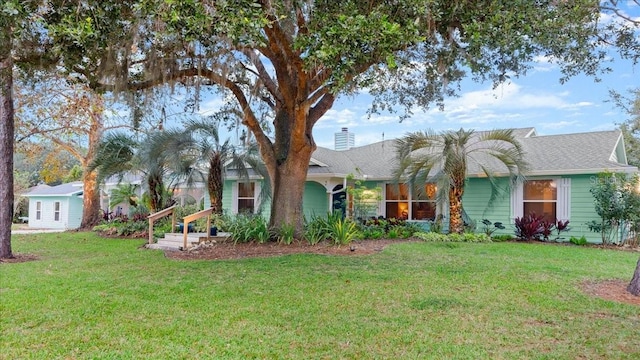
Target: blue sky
535,100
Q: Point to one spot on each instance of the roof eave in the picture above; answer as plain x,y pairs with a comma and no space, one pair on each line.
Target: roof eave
630,170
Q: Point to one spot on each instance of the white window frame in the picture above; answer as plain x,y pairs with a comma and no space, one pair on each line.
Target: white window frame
409,200
563,198
236,198
57,210
38,210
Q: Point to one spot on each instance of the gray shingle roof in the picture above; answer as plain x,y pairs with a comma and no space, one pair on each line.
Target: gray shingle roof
67,189
580,153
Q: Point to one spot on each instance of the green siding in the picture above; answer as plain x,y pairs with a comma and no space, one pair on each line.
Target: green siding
582,208
315,201
227,200
478,191
265,209
475,202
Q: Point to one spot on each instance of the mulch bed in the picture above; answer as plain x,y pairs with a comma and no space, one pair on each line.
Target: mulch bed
229,250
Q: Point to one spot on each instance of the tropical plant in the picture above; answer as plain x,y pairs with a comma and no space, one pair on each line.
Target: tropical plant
285,234
220,156
339,229
489,228
529,227
578,240
248,227
560,227
317,230
126,193
444,159
155,157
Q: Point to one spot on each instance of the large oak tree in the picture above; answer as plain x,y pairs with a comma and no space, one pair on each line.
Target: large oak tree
290,59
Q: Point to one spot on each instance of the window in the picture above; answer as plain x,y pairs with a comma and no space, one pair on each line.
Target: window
38,210
246,197
540,197
56,211
419,204
550,198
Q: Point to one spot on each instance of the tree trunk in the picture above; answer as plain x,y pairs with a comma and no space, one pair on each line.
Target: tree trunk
215,183
156,189
288,191
90,200
6,147
455,211
634,285
288,180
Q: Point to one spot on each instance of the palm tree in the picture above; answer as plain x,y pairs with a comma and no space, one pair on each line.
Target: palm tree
444,158
124,193
222,155
119,154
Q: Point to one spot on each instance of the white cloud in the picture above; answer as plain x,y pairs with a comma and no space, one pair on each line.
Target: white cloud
210,106
559,124
544,63
335,118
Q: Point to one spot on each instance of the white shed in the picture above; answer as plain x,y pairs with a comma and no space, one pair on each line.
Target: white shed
56,207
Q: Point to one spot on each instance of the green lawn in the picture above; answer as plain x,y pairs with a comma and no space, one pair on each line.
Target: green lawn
93,298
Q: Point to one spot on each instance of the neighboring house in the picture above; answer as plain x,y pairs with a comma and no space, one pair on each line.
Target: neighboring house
562,170
55,207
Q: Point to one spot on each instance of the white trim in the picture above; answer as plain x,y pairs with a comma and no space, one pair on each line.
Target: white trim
561,172
58,211
563,203
256,195
234,197
440,208
517,201
563,198
313,161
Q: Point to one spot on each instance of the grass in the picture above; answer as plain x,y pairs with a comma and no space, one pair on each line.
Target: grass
93,298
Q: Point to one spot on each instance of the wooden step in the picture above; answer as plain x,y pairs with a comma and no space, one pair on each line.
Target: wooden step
175,241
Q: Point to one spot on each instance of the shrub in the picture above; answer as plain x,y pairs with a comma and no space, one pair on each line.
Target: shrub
431,236
316,230
454,237
343,231
285,234
393,233
502,237
436,225
247,228
371,232
465,237
529,227
578,241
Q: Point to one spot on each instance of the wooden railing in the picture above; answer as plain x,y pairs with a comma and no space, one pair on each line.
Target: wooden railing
194,217
160,214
